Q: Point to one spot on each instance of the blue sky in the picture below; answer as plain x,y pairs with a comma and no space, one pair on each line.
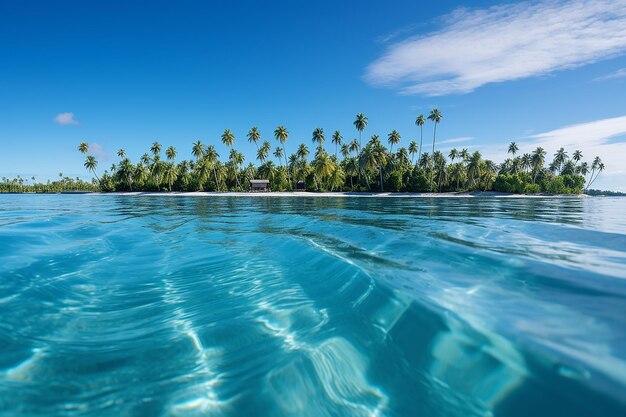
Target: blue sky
540,73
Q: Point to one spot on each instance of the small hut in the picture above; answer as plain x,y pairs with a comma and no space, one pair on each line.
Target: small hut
259,185
300,186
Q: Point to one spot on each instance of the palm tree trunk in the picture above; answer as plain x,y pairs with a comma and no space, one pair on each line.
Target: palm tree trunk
419,151
380,170
217,184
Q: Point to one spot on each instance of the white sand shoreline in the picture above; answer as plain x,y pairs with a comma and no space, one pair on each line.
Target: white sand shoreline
484,194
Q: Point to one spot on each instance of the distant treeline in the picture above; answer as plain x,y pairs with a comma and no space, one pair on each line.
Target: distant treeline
605,193
30,185
354,165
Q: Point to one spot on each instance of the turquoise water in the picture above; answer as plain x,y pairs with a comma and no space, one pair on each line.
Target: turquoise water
261,306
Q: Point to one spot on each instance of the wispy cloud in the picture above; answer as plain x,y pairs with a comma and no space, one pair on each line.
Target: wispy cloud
457,140
66,119
502,43
620,73
99,152
605,138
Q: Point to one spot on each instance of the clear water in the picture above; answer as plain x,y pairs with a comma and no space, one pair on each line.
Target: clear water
261,306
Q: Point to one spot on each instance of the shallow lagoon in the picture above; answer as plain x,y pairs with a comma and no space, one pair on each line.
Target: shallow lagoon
233,306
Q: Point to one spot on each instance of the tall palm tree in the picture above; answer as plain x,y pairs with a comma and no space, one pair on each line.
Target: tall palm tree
337,138
513,148
281,134
171,153
83,147
121,153
413,149
319,137
360,123
91,164
419,121
393,138
435,116
254,135
197,149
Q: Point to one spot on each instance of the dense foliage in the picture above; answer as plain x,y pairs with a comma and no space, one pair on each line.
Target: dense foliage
354,166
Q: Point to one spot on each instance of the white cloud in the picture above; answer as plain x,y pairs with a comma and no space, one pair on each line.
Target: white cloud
597,138
503,43
620,73
457,140
66,119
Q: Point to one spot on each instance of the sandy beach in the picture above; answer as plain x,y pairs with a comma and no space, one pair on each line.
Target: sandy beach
486,194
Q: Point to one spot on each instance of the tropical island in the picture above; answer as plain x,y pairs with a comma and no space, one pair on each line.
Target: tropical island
354,166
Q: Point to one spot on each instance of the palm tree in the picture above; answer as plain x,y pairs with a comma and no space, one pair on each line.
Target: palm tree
171,174
121,153
596,165
577,156
323,167
513,148
319,137
145,159
454,153
526,162
211,157
228,138
474,167
435,116
236,160
263,151
91,164
83,147
155,148
254,135
345,150
413,149
281,134
171,153
420,122
278,153
360,123
393,138
197,149
538,158
337,138
353,146
559,159
302,152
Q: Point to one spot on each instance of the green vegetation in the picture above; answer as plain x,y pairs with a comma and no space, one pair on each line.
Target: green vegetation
354,166
62,185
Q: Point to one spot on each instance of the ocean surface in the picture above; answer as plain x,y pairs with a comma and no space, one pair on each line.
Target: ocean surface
266,306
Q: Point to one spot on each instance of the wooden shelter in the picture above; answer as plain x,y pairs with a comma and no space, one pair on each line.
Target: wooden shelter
259,185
